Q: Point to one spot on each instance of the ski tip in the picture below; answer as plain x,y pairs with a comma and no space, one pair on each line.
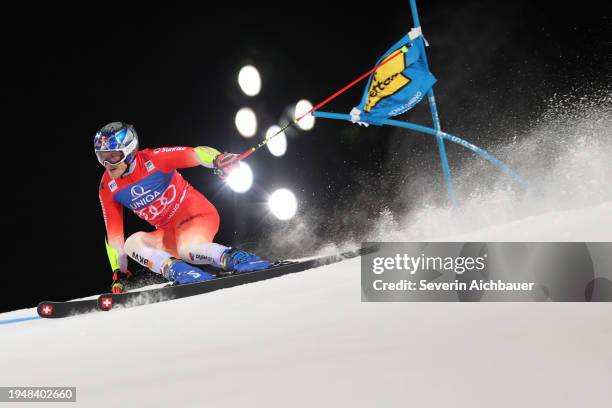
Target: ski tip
46,309
105,302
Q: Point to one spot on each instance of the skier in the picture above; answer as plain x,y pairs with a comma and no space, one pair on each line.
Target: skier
148,183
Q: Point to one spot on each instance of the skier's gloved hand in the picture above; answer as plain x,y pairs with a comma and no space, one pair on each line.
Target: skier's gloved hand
225,163
120,279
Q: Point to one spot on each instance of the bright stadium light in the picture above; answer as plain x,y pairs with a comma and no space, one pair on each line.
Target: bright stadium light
301,108
240,179
249,80
282,204
278,144
246,122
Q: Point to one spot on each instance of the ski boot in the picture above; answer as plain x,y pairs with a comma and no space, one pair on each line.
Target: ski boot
179,272
240,261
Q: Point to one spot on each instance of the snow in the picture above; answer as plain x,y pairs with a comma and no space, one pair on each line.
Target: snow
306,340
577,225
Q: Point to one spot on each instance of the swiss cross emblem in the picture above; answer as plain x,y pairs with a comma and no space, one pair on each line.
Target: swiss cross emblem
46,310
106,303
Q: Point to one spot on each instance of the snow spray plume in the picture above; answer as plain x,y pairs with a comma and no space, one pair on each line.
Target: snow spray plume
564,155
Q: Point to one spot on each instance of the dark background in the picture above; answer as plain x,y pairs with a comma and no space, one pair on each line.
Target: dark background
172,73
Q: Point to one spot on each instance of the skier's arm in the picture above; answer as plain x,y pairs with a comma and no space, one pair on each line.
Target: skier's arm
113,220
207,155
168,158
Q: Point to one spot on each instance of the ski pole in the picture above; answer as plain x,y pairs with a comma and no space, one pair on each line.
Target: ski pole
319,105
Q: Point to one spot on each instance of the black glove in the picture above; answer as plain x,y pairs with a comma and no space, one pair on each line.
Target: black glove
225,163
120,280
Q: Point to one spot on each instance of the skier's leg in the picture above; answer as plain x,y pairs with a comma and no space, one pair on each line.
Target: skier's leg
194,237
149,249
195,227
157,251
194,243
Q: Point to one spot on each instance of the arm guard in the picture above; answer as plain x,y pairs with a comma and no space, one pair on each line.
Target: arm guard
113,256
206,155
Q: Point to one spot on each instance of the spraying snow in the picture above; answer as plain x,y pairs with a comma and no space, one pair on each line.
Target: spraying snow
564,156
566,161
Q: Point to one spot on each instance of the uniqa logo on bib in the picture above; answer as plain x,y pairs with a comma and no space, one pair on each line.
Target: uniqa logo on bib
142,198
152,211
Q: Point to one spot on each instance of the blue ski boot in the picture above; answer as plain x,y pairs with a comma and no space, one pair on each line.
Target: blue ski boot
179,272
242,261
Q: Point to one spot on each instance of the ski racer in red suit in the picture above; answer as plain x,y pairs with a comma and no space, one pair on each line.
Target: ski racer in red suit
147,182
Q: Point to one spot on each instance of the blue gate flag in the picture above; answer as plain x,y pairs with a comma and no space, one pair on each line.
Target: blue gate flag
398,85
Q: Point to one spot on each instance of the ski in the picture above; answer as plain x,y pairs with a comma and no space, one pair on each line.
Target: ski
131,299
55,310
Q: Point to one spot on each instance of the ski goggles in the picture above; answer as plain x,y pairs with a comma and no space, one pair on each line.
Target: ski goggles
112,157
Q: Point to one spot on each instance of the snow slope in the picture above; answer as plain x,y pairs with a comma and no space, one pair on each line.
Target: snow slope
576,225
306,340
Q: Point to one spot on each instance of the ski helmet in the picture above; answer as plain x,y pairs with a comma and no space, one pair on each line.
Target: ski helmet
115,143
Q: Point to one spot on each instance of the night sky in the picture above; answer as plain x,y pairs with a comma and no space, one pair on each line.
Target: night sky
171,72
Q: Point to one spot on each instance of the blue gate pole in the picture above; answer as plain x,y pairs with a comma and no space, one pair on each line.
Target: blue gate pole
415,14
436,121
436,133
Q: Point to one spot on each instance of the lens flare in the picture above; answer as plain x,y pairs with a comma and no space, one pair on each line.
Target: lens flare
278,144
283,204
246,122
249,80
240,179
301,108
